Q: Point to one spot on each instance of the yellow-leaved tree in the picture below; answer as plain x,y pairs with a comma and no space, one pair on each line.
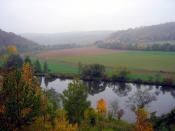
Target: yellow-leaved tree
62,124
101,106
142,124
12,49
27,73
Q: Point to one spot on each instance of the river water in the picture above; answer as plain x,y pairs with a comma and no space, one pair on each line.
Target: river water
126,95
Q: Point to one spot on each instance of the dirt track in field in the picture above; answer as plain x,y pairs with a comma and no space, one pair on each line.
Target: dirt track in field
89,51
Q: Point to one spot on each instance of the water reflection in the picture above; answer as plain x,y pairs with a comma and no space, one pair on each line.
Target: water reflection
121,89
95,87
155,98
168,89
49,79
141,98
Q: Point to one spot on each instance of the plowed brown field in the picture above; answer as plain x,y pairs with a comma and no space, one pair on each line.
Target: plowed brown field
90,51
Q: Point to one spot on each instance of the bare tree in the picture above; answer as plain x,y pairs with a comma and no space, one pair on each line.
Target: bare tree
141,98
115,110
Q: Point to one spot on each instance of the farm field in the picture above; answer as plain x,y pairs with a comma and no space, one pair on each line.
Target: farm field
142,64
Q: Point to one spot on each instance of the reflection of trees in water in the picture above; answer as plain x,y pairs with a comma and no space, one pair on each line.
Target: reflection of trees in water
49,79
141,98
121,89
39,79
115,111
95,87
163,90
173,93
168,89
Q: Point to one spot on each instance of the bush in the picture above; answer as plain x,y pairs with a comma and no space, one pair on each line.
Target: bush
93,71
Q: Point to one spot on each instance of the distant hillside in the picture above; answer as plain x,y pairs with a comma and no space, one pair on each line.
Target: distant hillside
9,38
80,38
162,33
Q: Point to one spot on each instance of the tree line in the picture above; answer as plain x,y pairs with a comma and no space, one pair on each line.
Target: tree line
12,59
138,46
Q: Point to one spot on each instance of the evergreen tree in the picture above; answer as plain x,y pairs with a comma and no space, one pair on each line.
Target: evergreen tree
37,67
75,101
28,60
20,101
46,69
14,61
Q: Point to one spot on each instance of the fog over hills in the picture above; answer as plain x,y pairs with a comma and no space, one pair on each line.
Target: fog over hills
154,37
153,33
144,34
23,44
80,38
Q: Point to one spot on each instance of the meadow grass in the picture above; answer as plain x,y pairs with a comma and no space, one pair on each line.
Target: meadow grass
142,64
133,60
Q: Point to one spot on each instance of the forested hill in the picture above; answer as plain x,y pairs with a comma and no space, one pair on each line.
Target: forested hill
9,38
162,33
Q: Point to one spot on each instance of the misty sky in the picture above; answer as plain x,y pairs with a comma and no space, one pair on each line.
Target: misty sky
50,16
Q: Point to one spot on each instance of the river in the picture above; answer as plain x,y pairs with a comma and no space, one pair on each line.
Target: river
126,95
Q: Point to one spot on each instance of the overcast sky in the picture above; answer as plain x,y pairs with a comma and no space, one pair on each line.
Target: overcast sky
50,16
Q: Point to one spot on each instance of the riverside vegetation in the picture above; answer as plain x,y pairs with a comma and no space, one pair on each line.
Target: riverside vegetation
24,105
141,66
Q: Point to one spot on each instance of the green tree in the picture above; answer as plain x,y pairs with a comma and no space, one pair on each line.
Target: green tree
123,74
53,96
28,60
14,61
51,111
75,101
93,71
90,116
37,67
20,101
46,69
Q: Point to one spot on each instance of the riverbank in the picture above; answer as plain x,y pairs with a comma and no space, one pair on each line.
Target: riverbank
165,83
122,93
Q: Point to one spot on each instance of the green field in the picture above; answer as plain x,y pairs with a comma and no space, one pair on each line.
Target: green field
153,61
140,63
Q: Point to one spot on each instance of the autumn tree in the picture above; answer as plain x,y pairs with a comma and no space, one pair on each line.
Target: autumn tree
27,73
101,109
101,106
75,101
142,123
12,49
21,101
62,124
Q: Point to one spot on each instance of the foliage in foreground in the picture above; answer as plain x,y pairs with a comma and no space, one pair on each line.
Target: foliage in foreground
75,101
142,123
24,106
20,100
